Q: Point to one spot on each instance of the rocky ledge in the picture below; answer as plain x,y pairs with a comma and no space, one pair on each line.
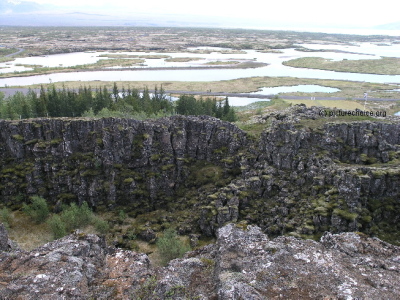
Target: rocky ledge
293,173
243,264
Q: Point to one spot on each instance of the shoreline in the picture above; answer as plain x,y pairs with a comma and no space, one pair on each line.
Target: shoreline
244,65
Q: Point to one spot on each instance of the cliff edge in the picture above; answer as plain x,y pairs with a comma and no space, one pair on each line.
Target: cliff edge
304,174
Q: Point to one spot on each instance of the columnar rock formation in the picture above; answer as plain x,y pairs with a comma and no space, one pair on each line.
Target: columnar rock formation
302,176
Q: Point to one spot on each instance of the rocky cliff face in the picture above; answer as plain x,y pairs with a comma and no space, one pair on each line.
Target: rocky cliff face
304,175
242,264
109,161
308,176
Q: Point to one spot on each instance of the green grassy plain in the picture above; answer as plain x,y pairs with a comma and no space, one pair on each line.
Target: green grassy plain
383,66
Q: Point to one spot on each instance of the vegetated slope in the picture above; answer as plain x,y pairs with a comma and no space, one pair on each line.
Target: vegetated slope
302,176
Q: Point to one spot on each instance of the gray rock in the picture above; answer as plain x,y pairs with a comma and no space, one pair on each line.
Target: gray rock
243,264
6,244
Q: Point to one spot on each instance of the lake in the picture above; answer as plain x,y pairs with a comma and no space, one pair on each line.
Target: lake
275,67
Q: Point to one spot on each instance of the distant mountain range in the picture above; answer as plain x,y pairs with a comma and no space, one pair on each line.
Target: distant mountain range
28,13
389,26
14,7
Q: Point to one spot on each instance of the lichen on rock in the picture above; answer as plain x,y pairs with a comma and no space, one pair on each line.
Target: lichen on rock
242,264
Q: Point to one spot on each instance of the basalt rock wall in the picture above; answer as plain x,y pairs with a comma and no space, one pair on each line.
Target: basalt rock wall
109,160
312,176
302,176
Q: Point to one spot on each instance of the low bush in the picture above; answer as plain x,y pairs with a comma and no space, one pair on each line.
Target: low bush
38,210
57,227
5,217
170,247
74,217
100,225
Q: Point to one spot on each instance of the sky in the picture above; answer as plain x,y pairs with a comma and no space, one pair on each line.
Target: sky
333,14
339,12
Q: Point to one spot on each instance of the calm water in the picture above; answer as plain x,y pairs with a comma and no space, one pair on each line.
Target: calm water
275,67
240,101
296,88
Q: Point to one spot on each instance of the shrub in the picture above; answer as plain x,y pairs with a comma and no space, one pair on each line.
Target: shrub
170,246
100,225
37,210
121,216
76,216
57,226
5,217
73,217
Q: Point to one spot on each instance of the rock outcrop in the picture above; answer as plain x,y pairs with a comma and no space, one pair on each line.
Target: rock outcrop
243,264
302,176
310,175
6,244
110,161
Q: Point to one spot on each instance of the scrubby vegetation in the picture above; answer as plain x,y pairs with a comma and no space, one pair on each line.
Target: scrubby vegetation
75,217
38,216
170,246
5,216
38,210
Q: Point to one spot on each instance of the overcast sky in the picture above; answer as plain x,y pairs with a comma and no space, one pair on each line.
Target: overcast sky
338,13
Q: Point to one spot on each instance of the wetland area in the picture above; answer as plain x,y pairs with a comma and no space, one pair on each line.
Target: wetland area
204,60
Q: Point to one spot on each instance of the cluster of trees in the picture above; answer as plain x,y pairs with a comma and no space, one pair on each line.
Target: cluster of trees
103,102
52,102
188,105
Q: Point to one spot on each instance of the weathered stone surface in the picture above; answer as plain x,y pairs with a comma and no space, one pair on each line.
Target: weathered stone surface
342,266
110,161
5,243
77,266
242,264
301,177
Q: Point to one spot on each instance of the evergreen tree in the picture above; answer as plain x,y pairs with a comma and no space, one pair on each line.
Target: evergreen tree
41,105
64,104
231,116
1,105
146,102
74,103
53,102
219,110
226,108
107,98
116,92
9,111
